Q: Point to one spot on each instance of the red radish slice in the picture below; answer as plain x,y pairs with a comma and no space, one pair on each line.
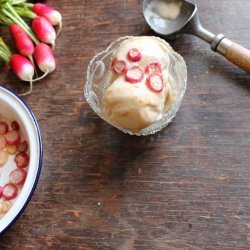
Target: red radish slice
12,137
6,206
3,157
15,125
119,66
11,149
18,176
3,142
10,191
22,160
1,192
154,67
155,83
4,128
134,55
23,146
134,74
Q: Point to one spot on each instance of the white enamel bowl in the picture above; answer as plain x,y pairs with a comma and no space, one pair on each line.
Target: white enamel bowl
14,108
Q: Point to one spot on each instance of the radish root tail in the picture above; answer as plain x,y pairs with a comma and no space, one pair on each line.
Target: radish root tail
41,77
32,61
59,29
30,90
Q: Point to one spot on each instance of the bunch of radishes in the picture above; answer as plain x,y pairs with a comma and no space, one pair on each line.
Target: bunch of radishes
36,41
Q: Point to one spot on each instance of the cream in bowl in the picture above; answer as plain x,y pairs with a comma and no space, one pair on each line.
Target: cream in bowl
137,84
20,157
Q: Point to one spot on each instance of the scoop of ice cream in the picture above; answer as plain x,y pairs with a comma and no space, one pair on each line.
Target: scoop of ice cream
150,49
132,106
136,103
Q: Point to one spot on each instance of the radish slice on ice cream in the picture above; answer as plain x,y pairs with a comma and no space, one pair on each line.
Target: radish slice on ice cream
134,55
134,74
155,83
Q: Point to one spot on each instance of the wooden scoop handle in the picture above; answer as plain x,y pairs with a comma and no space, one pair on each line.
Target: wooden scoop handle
239,56
235,53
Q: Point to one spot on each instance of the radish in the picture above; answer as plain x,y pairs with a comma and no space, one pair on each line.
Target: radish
12,137
52,15
154,67
22,160
134,75
23,146
23,42
17,176
10,191
6,206
3,157
3,142
15,125
44,30
4,128
11,149
23,68
1,193
134,55
155,83
119,66
44,58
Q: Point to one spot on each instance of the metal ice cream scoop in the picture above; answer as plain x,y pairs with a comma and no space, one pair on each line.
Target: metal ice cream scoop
187,22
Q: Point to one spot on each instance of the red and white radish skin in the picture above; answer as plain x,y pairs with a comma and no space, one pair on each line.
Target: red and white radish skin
22,41
44,30
52,15
44,58
22,67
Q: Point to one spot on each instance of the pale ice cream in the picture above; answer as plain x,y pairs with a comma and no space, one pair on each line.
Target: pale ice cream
135,104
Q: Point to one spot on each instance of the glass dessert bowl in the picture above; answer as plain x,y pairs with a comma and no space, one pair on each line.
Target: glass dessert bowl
137,84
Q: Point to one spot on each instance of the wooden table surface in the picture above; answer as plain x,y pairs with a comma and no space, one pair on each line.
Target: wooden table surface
187,187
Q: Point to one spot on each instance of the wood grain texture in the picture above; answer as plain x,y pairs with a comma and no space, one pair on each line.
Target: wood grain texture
186,187
240,56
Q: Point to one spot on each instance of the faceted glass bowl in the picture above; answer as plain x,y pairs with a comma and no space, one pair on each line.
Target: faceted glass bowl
100,75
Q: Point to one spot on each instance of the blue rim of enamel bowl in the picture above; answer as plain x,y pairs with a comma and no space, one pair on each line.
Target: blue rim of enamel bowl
39,162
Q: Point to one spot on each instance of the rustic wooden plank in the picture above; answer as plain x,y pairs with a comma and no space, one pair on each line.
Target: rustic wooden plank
186,187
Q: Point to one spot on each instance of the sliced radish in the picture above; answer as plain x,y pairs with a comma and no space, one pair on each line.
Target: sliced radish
155,83
11,149
1,192
134,74
15,125
10,191
119,66
3,157
22,160
154,67
3,142
12,137
4,128
134,55
6,206
18,176
23,146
